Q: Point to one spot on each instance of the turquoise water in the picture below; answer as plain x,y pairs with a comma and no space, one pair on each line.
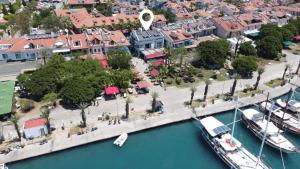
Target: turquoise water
177,146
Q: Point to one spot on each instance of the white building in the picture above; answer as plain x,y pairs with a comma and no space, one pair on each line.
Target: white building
35,128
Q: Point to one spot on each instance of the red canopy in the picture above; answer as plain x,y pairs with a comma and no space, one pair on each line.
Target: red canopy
154,72
111,90
155,55
297,37
158,62
143,84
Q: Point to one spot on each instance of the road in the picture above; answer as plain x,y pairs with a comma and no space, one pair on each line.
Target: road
12,69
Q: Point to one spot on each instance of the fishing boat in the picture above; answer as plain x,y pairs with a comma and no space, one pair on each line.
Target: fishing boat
292,105
121,139
3,166
228,148
281,119
255,121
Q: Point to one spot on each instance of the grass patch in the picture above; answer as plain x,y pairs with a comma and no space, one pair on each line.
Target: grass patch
274,83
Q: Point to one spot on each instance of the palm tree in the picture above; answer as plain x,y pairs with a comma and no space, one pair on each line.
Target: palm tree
82,106
168,55
46,115
287,66
259,71
44,54
297,68
193,90
207,83
128,101
181,53
14,119
154,98
234,84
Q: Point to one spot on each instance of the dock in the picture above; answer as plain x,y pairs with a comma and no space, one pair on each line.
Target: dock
56,145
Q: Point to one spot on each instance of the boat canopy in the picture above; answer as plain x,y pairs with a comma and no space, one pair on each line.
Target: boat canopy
213,126
294,103
270,107
253,114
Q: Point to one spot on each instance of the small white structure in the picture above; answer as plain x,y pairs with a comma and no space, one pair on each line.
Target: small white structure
121,139
35,128
233,41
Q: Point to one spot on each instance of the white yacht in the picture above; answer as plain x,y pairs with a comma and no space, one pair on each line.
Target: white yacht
121,139
228,148
281,119
256,122
3,166
292,105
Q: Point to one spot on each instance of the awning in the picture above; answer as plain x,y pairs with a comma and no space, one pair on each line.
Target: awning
297,37
61,50
111,90
154,72
143,84
158,62
288,43
153,53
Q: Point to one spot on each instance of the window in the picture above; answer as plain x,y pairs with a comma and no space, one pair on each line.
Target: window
77,43
147,46
18,56
99,50
95,50
4,56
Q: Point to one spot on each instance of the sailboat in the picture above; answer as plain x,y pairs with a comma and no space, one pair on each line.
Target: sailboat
282,119
228,148
265,130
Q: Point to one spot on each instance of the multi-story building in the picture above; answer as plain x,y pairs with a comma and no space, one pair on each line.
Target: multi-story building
148,44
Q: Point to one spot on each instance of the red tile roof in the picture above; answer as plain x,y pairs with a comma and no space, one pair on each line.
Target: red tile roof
100,56
288,8
35,123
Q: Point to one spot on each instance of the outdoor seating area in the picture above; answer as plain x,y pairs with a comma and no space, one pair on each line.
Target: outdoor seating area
111,92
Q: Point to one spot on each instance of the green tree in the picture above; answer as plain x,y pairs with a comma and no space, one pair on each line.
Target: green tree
181,53
154,96
270,30
168,14
21,22
193,90
260,71
212,54
14,119
119,59
78,92
207,83
287,35
4,10
245,65
11,8
26,105
50,98
269,47
128,101
247,49
292,28
46,115
105,8
121,78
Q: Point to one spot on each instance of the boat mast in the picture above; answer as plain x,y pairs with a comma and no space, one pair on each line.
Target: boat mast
234,118
265,135
285,108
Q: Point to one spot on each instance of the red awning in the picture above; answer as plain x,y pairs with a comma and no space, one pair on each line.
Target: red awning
111,90
143,84
158,62
297,37
154,72
155,55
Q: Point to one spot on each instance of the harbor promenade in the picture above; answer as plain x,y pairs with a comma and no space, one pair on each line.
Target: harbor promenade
63,142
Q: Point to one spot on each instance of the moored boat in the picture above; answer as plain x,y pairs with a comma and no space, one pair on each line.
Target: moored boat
255,121
281,119
121,139
228,148
292,105
3,166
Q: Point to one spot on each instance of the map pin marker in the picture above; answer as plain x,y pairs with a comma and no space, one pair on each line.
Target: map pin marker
146,24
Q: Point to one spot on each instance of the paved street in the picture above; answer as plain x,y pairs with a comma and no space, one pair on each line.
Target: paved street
14,68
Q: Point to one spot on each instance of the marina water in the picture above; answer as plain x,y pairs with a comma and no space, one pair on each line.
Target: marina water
176,146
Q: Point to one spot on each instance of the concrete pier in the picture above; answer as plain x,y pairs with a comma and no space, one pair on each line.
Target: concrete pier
58,144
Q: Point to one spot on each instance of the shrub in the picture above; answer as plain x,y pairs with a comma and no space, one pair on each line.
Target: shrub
26,105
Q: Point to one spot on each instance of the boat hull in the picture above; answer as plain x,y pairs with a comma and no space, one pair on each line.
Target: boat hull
256,131
284,126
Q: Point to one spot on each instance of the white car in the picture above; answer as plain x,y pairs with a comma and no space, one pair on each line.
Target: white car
99,98
130,91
